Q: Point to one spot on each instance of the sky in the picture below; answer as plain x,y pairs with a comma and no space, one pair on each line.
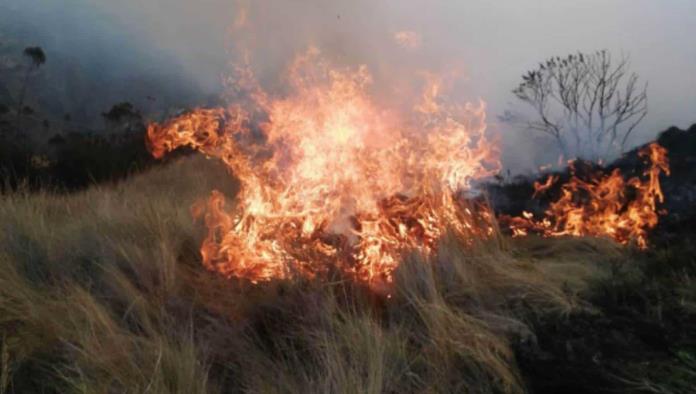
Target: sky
491,43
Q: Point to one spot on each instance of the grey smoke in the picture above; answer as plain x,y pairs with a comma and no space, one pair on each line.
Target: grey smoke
185,45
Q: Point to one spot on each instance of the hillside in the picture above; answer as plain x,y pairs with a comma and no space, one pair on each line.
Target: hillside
103,291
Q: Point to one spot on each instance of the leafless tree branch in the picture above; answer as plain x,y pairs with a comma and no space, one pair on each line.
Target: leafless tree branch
589,103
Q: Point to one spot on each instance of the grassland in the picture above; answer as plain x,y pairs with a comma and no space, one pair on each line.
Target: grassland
102,291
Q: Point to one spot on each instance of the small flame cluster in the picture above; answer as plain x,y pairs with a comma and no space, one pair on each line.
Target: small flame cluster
603,205
330,179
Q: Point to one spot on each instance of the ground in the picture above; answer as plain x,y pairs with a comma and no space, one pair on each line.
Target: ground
102,291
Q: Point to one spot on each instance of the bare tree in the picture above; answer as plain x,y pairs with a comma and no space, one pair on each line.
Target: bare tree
587,102
38,58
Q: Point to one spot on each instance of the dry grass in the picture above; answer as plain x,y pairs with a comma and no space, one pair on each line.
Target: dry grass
101,292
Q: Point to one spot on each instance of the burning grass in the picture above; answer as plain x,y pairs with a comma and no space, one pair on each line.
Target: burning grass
334,180
351,254
103,291
602,204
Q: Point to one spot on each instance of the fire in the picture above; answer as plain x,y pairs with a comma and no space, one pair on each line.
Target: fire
604,205
330,178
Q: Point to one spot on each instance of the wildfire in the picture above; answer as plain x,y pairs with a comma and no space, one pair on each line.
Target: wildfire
604,205
334,180
331,179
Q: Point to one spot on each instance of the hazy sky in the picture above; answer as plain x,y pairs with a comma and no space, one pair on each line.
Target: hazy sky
493,42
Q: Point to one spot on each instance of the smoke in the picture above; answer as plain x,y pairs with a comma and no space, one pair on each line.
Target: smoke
185,47
95,59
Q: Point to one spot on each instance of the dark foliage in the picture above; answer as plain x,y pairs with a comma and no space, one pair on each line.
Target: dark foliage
640,338
84,159
74,160
120,112
36,54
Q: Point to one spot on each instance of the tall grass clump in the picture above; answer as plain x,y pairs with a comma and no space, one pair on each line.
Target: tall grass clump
102,291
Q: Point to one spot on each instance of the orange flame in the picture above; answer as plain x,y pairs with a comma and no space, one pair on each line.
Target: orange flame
332,180
605,205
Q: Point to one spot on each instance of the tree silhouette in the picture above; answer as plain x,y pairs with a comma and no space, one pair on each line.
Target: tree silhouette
38,58
586,102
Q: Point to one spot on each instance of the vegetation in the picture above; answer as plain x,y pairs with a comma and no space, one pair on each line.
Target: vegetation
74,160
48,151
588,103
38,58
103,291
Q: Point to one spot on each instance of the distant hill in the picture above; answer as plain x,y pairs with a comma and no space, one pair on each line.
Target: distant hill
86,72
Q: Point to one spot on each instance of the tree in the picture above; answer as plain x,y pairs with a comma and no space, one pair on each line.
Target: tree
38,58
124,117
587,102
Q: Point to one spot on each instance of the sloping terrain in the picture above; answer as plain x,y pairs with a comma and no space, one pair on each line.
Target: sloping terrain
103,291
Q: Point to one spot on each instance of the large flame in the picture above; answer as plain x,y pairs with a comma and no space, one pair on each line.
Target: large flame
330,179
604,205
